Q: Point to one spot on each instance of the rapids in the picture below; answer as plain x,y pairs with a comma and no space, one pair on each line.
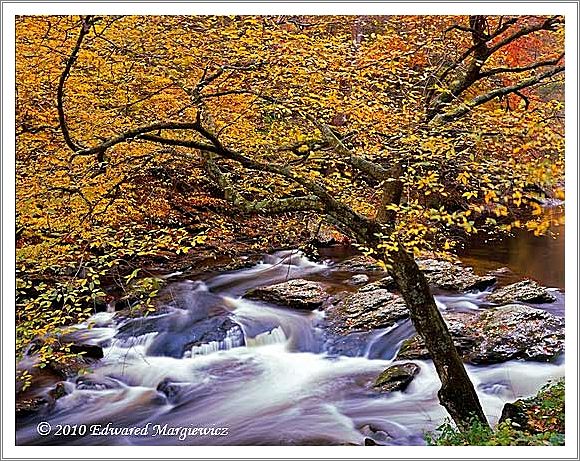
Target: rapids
268,380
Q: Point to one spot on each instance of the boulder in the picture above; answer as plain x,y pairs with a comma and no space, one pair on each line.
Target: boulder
497,335
526,291
35,401
539,414
350,344
518,332
367,310
515,412
358,279
360,263
464,338
299,294
387,283
397,377
171,389
87,350
216,333
374,435
29,406
135,327
449,276
201,337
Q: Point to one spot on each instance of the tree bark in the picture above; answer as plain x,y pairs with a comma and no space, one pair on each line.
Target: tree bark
457,393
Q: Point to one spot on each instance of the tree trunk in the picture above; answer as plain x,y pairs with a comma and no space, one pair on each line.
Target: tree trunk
457,393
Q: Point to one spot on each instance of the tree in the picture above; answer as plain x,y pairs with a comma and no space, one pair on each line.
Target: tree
376,136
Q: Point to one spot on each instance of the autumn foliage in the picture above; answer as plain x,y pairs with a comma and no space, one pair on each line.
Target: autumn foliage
390,89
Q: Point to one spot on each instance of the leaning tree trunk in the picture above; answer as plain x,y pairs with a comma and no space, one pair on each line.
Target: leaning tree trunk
457,393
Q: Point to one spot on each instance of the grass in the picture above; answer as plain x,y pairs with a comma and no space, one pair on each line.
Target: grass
544,424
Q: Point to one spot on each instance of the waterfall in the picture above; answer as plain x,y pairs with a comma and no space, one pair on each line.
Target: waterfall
275,336
132,341
234,338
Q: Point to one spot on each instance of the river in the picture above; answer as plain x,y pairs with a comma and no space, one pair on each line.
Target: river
273,381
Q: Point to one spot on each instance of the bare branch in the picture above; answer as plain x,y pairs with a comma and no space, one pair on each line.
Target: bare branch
86,22
133,134
536,65
498,92
549,24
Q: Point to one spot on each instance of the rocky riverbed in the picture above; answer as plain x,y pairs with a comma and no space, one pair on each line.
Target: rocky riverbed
339,327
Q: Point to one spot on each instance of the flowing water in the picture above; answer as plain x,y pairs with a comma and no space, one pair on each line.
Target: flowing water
269,379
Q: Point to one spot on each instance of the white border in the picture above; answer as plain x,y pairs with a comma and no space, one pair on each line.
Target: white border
8,214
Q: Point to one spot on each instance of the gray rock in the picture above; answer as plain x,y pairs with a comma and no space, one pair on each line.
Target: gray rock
526,291
96,383
397,377
359,279
299,294
497,335
449,276
360,263
387,283
217,333
374,435
518,332
458,323
366,310
516,414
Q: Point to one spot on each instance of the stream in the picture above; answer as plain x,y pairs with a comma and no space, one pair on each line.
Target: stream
272,380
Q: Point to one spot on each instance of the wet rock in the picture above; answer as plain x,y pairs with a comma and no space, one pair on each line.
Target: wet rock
57,391
464,337
358,279
35,401
497,335
541,413
516,413
208,335
518,332
449,276
140,326
360,263
96,383
29,406
397,377
387,283
87,350
216,334
374,435
350,344
366,310
299,294
526,291
434,265
171,389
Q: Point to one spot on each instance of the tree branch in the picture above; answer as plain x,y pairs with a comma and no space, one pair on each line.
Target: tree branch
536,65
548,24
267,206
133,134
87,22
498,92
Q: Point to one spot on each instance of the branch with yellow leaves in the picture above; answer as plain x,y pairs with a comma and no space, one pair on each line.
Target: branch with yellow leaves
496,93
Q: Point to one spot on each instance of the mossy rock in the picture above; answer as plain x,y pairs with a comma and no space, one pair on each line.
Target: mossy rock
397,377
